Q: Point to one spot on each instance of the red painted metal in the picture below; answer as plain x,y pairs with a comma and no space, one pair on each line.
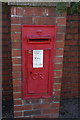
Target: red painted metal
38,82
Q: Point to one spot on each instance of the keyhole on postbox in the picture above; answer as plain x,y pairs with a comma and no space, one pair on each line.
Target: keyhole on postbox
30,72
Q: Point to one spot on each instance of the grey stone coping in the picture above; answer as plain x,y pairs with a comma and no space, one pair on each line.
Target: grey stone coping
35,4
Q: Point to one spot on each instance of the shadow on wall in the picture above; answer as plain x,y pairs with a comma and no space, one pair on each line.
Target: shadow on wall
70,80
7,93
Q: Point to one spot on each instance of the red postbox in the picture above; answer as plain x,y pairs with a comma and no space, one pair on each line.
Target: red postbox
38,46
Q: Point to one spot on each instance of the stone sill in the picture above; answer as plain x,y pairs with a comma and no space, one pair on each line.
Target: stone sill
36,4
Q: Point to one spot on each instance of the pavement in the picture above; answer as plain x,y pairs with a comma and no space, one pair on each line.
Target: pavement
70,108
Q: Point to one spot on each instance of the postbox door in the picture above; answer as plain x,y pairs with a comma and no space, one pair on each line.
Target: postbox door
38,75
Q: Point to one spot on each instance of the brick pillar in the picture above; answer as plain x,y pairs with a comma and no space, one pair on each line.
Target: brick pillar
36,108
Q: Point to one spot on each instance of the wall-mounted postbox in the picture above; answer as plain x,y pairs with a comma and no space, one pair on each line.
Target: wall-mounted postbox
38,46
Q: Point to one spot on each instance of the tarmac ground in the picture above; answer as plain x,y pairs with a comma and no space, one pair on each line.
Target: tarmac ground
70,108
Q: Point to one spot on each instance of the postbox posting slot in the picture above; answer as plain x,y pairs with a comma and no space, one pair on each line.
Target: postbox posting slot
39,38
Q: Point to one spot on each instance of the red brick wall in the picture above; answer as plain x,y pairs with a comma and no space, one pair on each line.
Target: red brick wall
36,108
79,56
6,54
70,80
